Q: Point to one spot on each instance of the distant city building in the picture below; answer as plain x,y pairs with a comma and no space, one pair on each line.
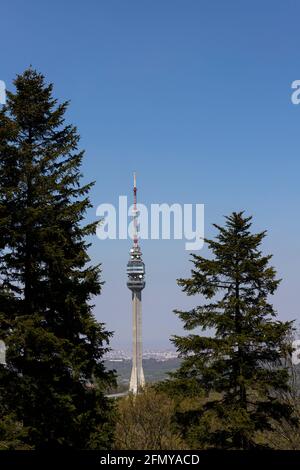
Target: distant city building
119,355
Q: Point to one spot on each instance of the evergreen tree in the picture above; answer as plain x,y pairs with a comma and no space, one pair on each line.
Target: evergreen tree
238,364
55,375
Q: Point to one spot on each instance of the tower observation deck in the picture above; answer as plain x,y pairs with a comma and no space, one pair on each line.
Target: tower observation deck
136,283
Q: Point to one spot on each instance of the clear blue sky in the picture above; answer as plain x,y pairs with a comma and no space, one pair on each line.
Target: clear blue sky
194,96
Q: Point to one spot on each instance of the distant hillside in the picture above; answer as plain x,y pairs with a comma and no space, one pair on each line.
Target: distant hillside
154,370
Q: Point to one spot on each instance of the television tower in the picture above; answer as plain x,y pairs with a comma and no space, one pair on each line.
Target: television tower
136,283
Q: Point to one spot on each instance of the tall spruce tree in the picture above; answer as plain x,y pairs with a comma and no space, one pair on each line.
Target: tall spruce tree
55,377
238,364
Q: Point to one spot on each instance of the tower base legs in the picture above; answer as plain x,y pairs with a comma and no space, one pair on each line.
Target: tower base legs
137,381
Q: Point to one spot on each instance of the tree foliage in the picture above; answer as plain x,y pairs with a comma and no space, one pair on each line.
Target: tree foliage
146,422
238,364
55,374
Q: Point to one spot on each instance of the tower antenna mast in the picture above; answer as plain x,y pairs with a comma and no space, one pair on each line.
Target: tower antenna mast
135,236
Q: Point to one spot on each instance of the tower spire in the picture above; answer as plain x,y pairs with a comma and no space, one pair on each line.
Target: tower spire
135,212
